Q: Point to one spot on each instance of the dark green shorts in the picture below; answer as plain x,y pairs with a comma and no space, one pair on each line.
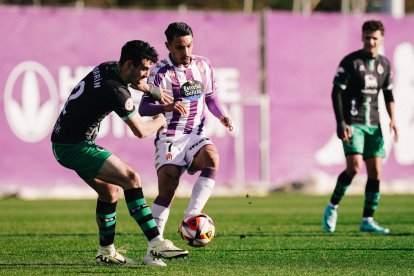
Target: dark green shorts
85,158
366,140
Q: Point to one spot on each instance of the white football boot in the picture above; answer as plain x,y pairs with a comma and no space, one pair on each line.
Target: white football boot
165,249
109,255
152,261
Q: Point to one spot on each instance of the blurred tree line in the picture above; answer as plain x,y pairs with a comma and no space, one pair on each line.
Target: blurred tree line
211,5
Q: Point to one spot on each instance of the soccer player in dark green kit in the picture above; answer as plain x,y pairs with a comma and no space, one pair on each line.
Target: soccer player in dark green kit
103,90
360,77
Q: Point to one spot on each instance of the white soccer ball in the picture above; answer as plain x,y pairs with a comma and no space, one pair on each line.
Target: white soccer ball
197,230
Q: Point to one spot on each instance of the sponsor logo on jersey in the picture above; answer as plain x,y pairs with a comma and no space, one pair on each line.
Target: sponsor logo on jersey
354,110
31,101
371,85
362,68
192,90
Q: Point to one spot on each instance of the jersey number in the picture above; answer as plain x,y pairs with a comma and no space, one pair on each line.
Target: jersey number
79,90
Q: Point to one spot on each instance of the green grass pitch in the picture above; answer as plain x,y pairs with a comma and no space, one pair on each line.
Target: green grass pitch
280,234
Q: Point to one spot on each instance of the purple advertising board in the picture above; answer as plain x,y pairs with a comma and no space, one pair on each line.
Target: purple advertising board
46,51
302,58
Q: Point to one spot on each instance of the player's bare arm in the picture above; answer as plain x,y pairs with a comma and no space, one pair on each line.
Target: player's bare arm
142,128
393,126
158,93
226,122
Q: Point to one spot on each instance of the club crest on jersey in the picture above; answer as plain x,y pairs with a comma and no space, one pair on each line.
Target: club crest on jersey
168,156
380,69
129,104
192,90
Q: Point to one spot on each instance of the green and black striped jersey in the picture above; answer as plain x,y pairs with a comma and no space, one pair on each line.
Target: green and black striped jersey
361,78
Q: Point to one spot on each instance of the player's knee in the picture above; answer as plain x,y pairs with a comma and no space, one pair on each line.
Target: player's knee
353,170
133,179
110,194
211,158
168,181
167,192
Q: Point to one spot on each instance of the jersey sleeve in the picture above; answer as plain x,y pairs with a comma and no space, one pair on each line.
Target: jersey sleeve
148,107
123,103
342,74
388,78
211,85
388,85
212,101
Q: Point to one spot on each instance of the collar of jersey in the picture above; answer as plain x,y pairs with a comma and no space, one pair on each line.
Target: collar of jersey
366,56
116,70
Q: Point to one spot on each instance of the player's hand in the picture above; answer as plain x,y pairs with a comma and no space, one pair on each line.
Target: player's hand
165,97
177,107
226,122
344,131
160,94
393,127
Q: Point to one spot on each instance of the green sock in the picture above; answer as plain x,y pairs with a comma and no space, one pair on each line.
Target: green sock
140,211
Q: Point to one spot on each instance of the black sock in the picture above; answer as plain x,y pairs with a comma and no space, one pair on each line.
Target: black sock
342,184
372,196
106,220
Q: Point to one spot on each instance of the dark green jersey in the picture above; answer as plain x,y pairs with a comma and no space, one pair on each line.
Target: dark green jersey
361,77
98,94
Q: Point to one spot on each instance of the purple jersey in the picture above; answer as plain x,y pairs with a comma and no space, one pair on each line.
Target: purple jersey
194,86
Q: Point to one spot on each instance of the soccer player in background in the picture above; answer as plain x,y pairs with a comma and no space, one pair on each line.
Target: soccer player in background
103,90
360,77
181,145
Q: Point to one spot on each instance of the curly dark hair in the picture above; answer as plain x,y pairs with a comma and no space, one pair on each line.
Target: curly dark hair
137,50
177,29
372,26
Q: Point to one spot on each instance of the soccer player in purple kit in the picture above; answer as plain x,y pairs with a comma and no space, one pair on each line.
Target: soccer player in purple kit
181,145
103,90
359,79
